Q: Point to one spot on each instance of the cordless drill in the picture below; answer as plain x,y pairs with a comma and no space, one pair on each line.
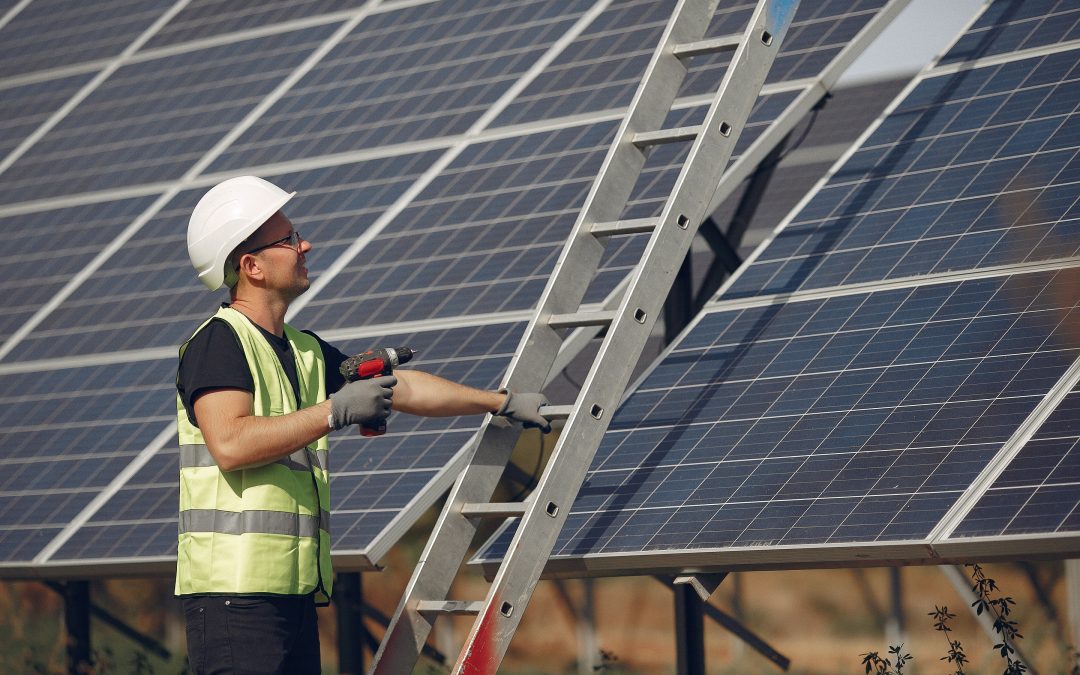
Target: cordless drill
373,363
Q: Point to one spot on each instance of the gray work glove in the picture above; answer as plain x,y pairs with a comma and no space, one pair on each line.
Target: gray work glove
525,408
365,402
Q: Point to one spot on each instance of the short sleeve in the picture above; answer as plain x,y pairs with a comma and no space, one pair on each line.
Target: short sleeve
333,357
213,359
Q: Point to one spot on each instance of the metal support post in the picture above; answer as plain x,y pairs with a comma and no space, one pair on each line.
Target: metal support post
755,191
894,627
352,635
77,624
728,622
1072,594
96,612
689,631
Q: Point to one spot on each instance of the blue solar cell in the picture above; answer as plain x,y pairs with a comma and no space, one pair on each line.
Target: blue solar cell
46,248
920,197
24,108
414,73
65,436
154,119
1039,491
87,32
601,69
202,19
1008,26
372,478
482,237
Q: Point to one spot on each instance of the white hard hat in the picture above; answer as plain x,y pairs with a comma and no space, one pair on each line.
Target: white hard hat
225,216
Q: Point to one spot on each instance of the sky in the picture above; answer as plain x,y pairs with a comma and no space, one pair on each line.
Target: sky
921,31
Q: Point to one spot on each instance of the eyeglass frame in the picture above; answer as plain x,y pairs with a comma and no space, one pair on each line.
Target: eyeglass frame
295,234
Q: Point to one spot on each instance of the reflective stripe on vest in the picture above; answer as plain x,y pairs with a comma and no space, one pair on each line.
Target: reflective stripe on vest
302,460
253,522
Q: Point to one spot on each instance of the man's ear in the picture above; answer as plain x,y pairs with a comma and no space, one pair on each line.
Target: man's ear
250,267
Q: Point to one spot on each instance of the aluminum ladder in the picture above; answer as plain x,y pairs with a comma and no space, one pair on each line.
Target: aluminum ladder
542,514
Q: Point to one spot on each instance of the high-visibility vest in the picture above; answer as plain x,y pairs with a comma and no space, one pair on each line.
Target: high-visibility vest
266,529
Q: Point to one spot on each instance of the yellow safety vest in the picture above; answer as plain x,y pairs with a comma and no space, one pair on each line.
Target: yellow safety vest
264,530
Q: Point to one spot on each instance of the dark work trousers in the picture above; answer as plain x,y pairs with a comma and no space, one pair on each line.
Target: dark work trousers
252,634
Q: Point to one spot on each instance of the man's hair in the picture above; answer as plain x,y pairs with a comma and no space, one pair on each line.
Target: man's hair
232,263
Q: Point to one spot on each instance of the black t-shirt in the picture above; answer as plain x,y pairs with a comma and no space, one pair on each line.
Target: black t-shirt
214,359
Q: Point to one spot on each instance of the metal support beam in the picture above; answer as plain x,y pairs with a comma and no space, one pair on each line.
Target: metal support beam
739,630
678,308
880,618
958,577
725,243
352,635
1072,602
582,614
689,631
703,584
146,642
1042,594
755,190
734,625
77,625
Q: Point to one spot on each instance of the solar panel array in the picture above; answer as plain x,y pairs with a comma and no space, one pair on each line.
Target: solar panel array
894,374
440,151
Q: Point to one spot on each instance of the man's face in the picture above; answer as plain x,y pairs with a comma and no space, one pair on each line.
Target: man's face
281,260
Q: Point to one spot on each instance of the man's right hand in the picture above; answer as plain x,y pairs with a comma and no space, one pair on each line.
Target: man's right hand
365,402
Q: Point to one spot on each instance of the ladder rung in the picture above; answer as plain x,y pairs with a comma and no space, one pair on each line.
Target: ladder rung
597,318
728,43
647,138
450,606
635,226
556,412
493,510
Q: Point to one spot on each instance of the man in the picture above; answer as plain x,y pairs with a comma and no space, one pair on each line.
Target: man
255,402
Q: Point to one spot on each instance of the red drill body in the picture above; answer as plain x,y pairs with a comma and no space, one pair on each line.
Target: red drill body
373,363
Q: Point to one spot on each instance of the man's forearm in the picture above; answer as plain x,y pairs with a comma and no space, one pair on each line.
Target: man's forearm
420,393
241,441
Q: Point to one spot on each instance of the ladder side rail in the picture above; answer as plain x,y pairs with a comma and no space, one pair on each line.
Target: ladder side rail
581,256
447,546
536,533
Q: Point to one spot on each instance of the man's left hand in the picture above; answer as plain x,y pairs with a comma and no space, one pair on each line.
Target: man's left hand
525,409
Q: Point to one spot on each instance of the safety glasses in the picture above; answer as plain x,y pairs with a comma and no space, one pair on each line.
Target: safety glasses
292,241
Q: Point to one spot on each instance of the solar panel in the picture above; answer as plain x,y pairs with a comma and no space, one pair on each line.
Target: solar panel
47,247
1036,493
66,434
87,31
839,403
851,419
422,232
145,295
203,19
24,107
152,120
971,170
1013,26
416,73
600,70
